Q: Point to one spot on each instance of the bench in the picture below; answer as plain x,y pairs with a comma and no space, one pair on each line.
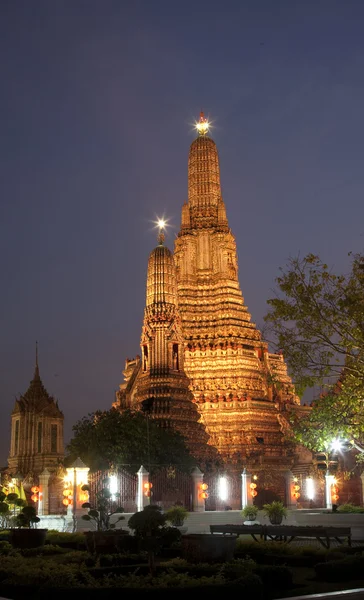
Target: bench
287,533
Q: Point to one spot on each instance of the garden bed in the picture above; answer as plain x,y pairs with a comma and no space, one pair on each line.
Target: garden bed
264,571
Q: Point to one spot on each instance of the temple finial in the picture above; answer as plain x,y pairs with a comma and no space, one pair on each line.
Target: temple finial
36,370
202,125
161,236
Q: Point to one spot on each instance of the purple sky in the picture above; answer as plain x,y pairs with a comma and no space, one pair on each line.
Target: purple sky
97,102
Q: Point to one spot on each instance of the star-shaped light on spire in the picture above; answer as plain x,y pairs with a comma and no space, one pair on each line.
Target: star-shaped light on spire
161,224
202,125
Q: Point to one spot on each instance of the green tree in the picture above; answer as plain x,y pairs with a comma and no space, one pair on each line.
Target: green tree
317,319
129,439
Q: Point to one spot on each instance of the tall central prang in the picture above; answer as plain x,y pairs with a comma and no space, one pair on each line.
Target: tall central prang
240,388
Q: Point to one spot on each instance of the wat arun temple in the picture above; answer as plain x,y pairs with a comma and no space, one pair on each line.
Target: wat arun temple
204,368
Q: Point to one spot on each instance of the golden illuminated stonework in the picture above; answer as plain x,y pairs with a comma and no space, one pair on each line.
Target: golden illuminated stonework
240,388
156,382
198,341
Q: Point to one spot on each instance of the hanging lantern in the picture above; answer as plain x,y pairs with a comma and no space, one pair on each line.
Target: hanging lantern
65,501
335,493
34,497
34,489
147,489
253,490
202,491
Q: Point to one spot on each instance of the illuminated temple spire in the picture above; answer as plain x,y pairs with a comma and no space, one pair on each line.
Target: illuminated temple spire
205,206
225,357
160,386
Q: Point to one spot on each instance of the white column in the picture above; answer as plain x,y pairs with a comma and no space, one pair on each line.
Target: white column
246,497
142,499
362,488
198,503
328,484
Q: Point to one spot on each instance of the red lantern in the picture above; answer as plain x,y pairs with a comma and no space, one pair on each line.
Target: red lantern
147,487
204,495
34,489
34,497
65,501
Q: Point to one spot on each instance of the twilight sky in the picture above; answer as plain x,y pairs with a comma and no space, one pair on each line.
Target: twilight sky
97,103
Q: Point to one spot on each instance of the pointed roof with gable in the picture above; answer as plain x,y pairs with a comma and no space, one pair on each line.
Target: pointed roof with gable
36,398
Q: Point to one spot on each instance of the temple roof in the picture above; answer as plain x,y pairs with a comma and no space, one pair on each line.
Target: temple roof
36,398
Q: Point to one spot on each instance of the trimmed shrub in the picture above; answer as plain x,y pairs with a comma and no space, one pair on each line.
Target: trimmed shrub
276,576
65,539
350,508
345,569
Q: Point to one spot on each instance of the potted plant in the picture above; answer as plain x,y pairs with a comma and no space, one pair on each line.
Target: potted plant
250,512
26,534
176,516
275,511
104,536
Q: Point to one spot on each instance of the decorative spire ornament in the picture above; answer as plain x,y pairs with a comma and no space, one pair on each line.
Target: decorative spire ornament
202,125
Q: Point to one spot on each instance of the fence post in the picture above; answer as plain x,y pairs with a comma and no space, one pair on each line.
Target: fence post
246,497
198,503
142,499
328,484
43,504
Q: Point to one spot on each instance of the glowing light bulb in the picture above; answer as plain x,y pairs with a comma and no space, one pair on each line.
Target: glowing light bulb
161,223
202,125
336,445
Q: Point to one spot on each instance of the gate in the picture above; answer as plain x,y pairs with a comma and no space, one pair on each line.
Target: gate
120,482
224,491
170,486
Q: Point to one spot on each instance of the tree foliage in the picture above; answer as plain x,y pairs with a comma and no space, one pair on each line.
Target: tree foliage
317,319
129,439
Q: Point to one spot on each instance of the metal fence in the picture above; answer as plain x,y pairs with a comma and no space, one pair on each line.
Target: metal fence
119,482
170,486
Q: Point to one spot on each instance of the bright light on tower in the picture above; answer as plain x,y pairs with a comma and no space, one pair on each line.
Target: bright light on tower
223,489
161,223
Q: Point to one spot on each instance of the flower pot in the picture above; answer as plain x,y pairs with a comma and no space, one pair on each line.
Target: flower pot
275,519
28,538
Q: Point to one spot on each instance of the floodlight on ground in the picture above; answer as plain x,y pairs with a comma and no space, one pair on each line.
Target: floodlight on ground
113,485
223,489
310,488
